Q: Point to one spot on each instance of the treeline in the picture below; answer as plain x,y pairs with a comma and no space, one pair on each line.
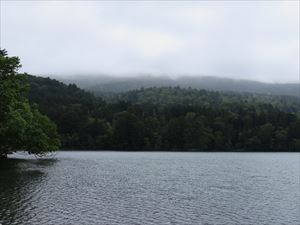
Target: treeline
104,84
190,96
168,119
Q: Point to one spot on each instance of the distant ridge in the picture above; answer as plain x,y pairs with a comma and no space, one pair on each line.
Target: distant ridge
102,84
168,118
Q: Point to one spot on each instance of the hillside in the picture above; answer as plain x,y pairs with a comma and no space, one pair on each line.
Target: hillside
104,84
168,119
182,96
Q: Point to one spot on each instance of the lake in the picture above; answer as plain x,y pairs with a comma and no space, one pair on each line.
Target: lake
151,188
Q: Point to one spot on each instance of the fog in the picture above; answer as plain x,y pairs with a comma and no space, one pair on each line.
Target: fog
235,39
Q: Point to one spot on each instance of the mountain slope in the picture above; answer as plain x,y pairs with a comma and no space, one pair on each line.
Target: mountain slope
168,119
103,84
182,96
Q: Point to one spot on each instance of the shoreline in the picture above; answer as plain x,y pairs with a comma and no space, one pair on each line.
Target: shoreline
187,151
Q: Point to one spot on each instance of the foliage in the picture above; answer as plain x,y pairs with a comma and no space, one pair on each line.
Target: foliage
22,127
189,96
169,118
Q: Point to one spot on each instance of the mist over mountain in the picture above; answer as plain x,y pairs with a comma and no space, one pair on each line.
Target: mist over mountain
105,84
168,118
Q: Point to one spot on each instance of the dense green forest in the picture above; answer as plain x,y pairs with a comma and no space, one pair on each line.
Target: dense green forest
168,118
188,96
157,118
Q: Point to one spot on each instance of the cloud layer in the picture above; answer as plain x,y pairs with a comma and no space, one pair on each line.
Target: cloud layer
249,40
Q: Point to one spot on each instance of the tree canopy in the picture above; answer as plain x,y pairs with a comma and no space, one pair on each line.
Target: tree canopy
22,126
169,118
161,118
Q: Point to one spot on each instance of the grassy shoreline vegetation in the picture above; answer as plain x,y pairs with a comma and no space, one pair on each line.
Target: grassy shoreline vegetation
145,119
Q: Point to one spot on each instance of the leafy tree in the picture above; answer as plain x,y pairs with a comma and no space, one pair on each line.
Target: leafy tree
152,132
296,145
22,127
265,134
127,131
253,143
173,136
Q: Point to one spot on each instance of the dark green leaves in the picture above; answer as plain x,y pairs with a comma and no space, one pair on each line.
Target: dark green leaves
22,127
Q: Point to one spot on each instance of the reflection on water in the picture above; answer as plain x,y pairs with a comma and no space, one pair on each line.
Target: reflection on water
20,182
151,189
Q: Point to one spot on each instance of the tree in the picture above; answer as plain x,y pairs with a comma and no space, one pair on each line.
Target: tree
173,136
265,134
22,127
296,145
127,131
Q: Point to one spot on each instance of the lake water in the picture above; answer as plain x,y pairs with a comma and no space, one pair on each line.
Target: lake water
151,188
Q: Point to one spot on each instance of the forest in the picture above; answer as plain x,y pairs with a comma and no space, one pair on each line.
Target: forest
168,118
40,115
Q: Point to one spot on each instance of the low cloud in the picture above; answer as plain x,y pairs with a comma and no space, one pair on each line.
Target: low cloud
249,40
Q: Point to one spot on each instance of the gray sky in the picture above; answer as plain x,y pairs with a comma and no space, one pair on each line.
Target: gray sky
239,39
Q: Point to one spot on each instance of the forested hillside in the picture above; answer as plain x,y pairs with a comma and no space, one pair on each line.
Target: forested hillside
170,118
104,84
187,96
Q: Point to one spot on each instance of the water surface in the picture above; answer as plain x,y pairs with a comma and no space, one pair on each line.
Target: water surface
151,188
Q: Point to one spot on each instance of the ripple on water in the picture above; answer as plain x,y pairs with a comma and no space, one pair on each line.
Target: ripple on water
151,188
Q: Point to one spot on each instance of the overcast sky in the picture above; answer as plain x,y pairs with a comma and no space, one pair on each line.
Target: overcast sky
239,39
